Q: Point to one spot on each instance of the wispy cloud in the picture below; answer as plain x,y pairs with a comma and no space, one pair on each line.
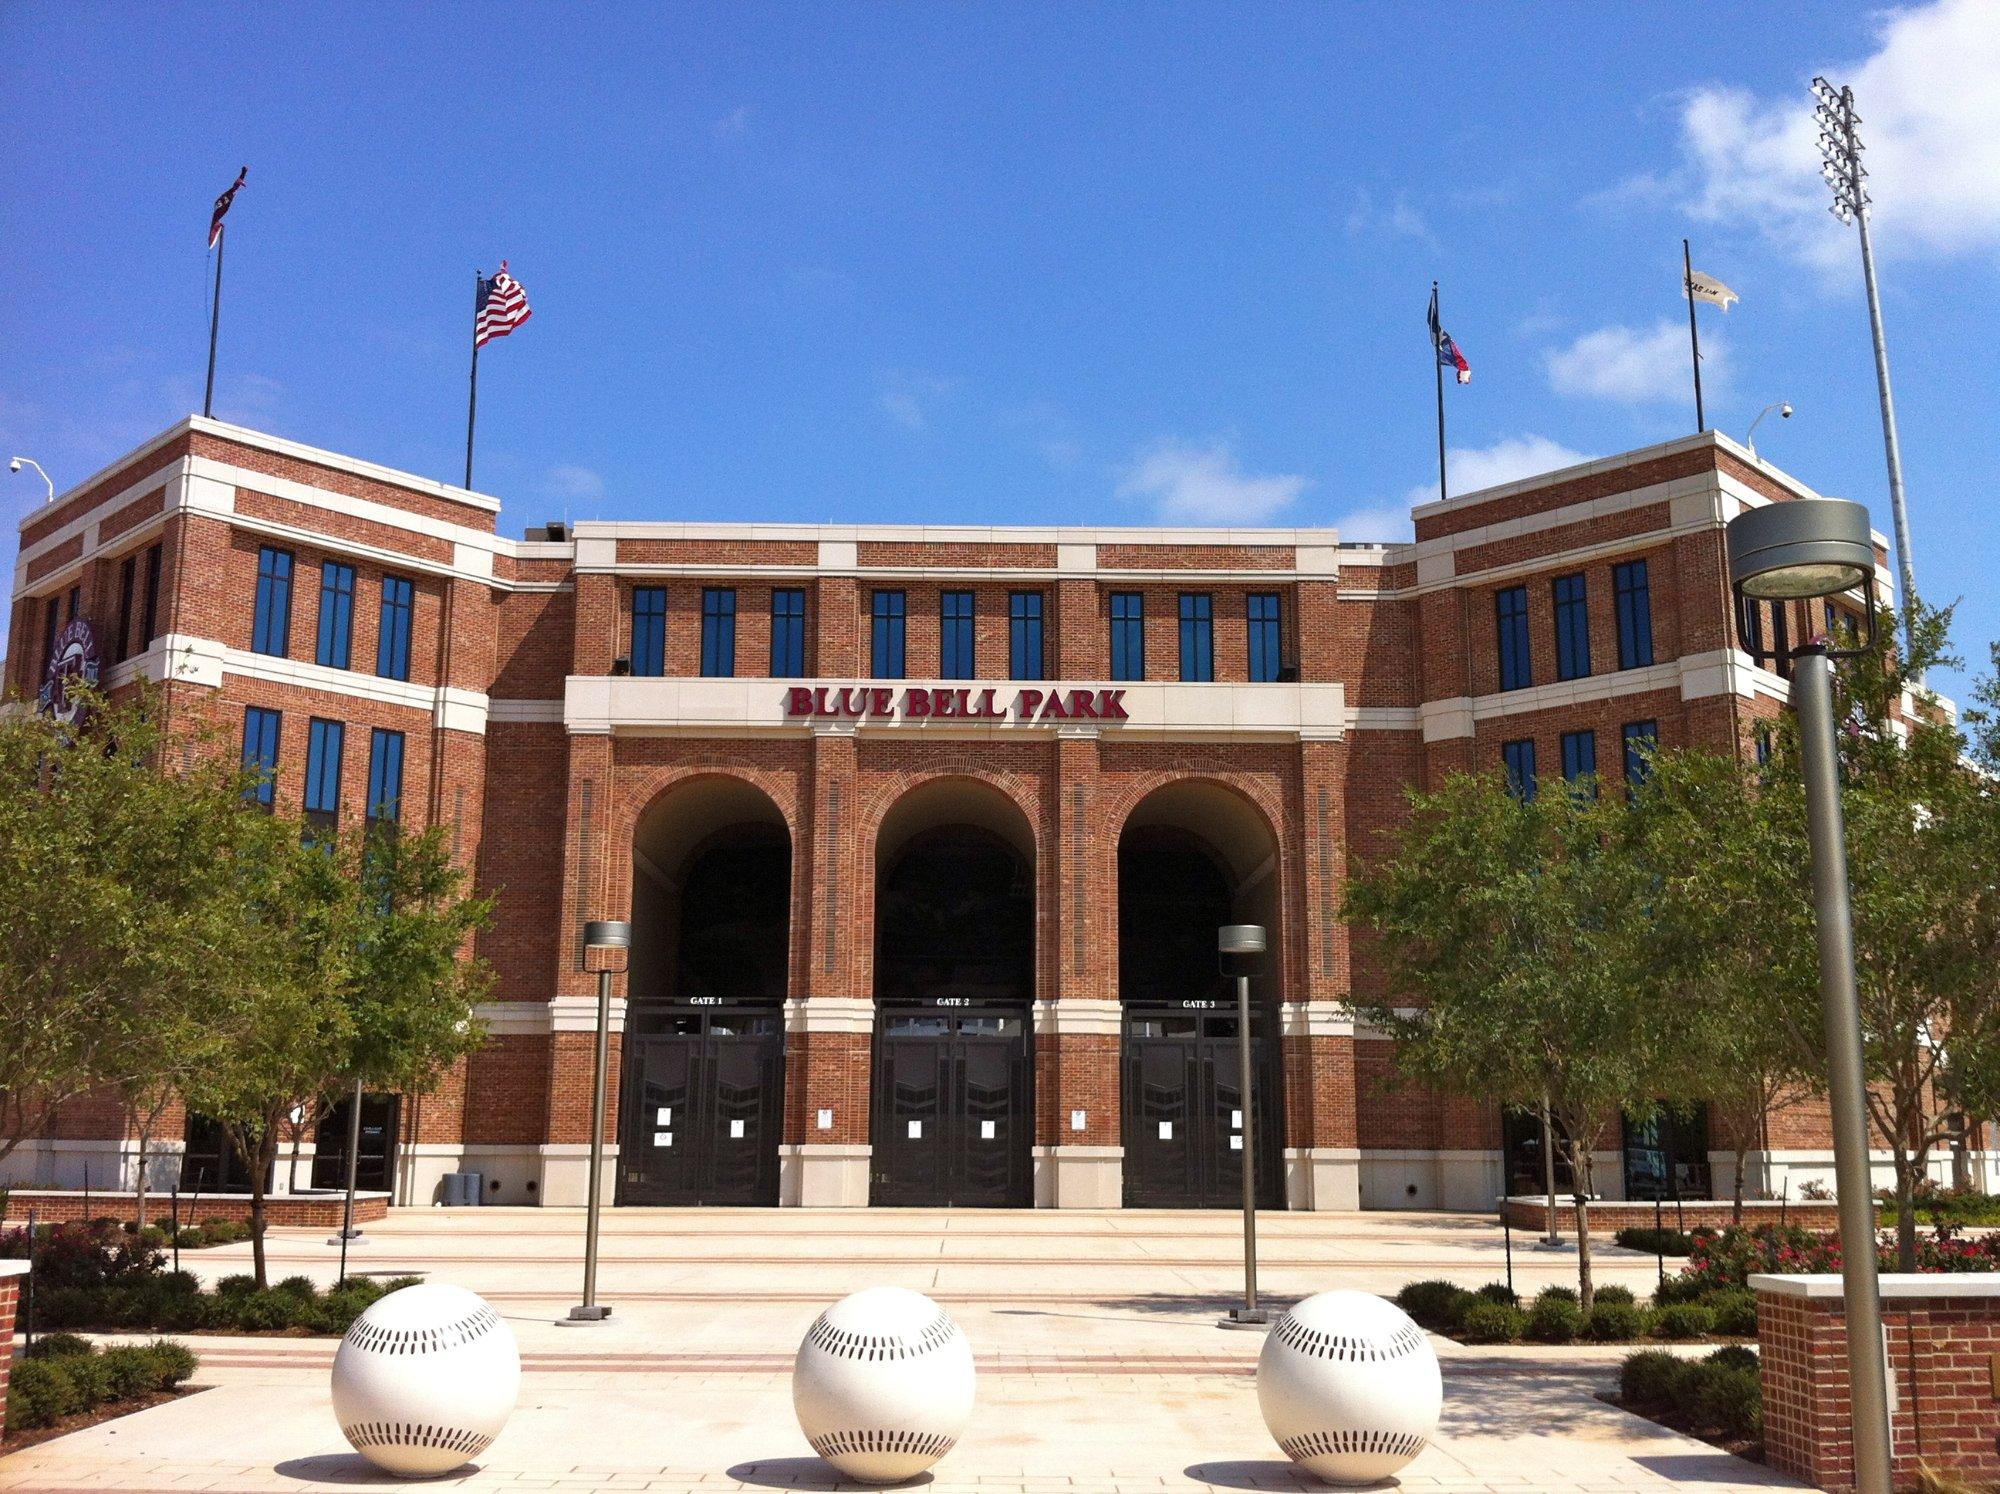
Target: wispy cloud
1467,470
1378,524
908,397
902,407
572,482
1202,484
733,125
1635,365
1396,219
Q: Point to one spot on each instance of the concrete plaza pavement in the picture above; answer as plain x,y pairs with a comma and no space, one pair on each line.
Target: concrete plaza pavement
1100,1365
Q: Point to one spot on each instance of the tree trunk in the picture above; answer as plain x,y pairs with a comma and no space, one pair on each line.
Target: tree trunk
139,1183
1579,1170
1906,1211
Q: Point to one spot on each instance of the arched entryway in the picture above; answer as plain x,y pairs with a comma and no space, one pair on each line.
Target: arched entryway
702,1098
953,1113
1193,856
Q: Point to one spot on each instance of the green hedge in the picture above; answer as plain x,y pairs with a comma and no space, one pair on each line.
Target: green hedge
174,1302
1657,1241
71,1376
1719,1394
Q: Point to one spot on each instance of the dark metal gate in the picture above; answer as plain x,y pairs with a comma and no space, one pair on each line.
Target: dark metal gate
1183,1119
701,1106
953,1111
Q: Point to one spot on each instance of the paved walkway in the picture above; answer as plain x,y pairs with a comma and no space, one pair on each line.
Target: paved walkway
1100,1367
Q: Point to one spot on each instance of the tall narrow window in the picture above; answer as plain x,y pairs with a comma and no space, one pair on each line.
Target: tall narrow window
1641,737
325,742
127,575
1510,621
1579,755
1265,634
1750,627
150,622
1128,635
718,631
1024,635
955,647
1572,627
1520,760
271,627
1197,636
1781,637
1635,614
385,776
886,634
75,603
51,620
336,614
788,632
260,752
392,637
649,630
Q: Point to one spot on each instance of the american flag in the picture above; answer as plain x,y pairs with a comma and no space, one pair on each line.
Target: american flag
222,207
503,306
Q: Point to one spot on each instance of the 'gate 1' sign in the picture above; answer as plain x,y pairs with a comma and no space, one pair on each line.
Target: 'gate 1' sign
921,702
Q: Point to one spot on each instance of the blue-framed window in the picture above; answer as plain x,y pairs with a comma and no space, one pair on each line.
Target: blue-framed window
1579,755
1128,635
718,631
1750,627
955,635
1024,635
649,630
1635,614
336,615
788,632
151,619
1572,608
1197,636
326,741
1763,743
887,614
1266,635
1510,622
1519,758
1641,737
271,628
261,729
385,776
392,635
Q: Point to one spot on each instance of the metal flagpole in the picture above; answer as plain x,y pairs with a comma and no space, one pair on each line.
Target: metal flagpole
214,318
472,406
1437,368
1694,331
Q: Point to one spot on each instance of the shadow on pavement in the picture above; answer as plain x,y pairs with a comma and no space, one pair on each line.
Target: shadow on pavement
1717,1467
1264,1473
808,1473
350,1468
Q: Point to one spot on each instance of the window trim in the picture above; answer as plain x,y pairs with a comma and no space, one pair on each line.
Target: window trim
655,620
1513,639
1586,735
1523,783
888,605
1202,621
395,623
1572,620
333,639
379,738
718,632
791,627
320,731
1027,624
1632,606
271,609
1134,628
264,792
1264,634
954,632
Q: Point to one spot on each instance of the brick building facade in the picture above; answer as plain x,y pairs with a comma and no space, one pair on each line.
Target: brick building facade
924,832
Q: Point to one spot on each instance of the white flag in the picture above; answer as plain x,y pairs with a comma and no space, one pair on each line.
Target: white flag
1704,287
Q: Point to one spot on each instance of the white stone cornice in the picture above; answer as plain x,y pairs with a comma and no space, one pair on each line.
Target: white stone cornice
1311,1019
830,1014
1072,1016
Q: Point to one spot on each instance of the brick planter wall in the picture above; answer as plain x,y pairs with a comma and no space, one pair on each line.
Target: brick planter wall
11,1273
317,1210
1944,1362
1608,1216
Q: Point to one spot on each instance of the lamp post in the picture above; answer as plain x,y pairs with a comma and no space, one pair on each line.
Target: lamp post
1241,948
1784,410
601,935
1803,551
15,464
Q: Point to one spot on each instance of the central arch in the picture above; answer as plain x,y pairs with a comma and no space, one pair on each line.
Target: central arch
954,986
702,1098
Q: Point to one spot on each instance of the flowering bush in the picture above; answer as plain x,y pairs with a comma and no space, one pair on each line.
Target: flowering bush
1732,1257
84,1255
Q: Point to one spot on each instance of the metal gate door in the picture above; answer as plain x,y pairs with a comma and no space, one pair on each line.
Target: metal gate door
953,1112
1183,1106
701,1107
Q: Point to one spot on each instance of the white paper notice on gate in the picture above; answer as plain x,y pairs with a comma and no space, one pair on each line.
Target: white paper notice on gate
663,1116
826,1120
1166,1130
736,1130
1236,1143
986,1130
1236,1119
916,1130
663,1138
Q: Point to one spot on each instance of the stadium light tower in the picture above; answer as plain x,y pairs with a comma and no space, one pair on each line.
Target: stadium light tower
1840,163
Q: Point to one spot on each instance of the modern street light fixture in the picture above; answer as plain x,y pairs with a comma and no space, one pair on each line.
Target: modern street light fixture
15,464
1241,948
1840,163
1804,551
1784,410
605,935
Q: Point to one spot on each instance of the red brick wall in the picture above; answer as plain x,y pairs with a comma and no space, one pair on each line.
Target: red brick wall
316,1212
10,1293
1607,1217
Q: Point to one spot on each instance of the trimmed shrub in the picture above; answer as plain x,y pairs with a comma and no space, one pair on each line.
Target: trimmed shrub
1652,1377
1616,1294
129,1371
236,1286
298,1286
1557,1293
397,1283
1552,1320
1615,1322
1657,1241
1683,1320
1728,1399
1488,1322
1734,1356
39,1392
1499,1291
58,1346
1435,1304
191,1237
1735,1312
1683,1288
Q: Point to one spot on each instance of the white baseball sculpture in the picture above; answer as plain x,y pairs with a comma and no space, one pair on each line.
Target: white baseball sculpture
1349,1387
425,1380
883,1384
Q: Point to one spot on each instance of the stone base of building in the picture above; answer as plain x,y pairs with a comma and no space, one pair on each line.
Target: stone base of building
1079,1177
823,1175
1414,1178
1322,1178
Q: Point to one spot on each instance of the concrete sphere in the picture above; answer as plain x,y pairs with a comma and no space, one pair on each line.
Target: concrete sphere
1349,1387
883,1384
425,1380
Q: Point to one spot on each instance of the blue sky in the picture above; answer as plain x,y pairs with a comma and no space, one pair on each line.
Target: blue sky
1004,263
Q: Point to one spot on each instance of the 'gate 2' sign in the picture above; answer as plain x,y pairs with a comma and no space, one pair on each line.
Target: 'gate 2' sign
921,702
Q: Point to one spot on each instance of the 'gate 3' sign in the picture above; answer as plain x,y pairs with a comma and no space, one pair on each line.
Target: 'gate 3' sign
920,702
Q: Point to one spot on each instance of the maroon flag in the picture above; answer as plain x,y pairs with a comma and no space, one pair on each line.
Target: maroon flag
222,207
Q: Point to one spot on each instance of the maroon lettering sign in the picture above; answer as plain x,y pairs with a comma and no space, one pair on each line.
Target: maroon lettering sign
948,703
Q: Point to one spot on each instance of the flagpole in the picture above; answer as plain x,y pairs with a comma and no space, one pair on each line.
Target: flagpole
1694,334
1437,367
214,318
472,405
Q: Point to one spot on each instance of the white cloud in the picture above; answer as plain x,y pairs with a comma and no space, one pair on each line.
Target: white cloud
1468,468
574,482
902,407
1382,524
1393,220
733,124
1192,484
1929,101
1638,365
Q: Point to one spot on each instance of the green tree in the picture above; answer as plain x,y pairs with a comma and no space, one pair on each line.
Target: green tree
1506,927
